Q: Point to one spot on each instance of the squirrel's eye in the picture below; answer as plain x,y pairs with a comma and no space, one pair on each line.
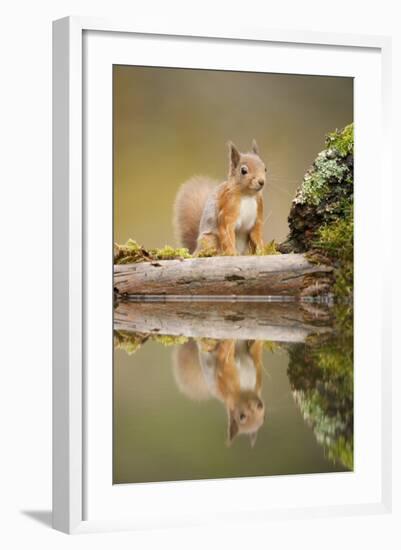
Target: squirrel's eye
242,417
244,170
265,169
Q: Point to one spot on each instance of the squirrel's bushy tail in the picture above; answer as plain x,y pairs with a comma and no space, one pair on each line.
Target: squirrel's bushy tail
188,372
188,209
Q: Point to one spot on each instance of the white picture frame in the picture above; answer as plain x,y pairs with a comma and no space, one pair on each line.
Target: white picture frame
74,212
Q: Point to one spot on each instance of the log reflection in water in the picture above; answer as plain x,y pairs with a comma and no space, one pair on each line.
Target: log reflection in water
277,321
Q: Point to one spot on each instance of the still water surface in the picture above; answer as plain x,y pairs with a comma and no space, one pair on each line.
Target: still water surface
196,397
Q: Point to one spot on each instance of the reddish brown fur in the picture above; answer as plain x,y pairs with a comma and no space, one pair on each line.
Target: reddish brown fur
192,197
228,381
228,384
229,201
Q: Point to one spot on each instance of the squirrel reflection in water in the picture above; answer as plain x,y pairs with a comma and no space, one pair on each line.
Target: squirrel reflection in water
230,371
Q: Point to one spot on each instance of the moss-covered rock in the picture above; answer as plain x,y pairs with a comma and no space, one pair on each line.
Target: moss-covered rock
326,193
321,215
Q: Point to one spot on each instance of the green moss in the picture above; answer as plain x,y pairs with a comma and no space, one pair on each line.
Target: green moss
170,253
132,252
131,342
269,249
343,315
169,340
342,449
342,141
336,241
271,346
207,252
321,378
338,449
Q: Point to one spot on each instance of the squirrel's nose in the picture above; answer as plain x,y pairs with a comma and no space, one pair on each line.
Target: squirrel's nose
261,182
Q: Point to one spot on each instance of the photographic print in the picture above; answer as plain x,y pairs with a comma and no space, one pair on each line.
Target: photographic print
233,274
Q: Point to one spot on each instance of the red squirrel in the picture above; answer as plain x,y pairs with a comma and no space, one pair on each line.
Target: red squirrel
227,217
231,372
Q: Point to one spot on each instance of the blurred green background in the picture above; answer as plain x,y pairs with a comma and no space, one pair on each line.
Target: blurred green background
170,124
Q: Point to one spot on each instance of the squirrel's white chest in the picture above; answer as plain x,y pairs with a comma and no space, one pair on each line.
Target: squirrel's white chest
246,220
245,367
247,214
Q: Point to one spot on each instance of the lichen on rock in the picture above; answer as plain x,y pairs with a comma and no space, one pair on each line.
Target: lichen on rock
327,171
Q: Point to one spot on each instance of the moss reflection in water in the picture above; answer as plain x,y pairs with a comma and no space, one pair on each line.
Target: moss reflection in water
130,342
321,378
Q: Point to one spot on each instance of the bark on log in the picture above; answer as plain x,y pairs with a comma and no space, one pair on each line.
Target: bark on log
278,275
280,322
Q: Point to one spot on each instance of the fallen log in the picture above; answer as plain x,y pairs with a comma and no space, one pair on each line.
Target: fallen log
276,275
280,322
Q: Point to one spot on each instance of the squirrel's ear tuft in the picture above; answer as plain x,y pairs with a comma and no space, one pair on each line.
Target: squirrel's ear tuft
255,148
234,157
